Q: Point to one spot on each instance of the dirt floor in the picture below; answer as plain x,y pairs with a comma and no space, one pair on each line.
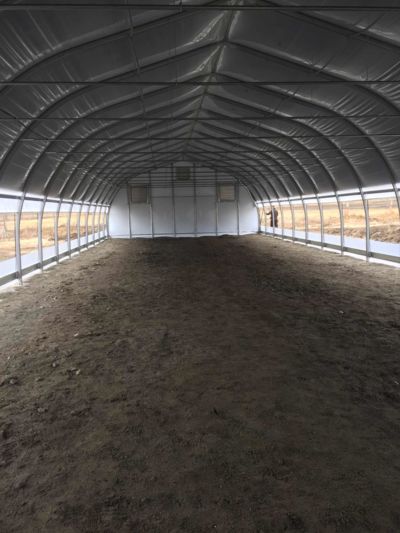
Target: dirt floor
217,384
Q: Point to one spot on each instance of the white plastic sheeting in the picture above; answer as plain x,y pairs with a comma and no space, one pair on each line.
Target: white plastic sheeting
293,101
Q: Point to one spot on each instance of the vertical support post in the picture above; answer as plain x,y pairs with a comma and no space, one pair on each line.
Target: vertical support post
40,233
237,193
272,218
367,227
216,203
321,220
195,200
94,225
69,230
79,228
173,196
108,221
128,195
56,219
293,220
341,218
305,220
260,208
262,217
98,222
282,218
151,204
17,228
103,222
87,225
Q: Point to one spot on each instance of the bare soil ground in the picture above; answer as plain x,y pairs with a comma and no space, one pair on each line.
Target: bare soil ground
217,384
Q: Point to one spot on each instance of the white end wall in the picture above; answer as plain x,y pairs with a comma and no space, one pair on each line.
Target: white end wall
183,212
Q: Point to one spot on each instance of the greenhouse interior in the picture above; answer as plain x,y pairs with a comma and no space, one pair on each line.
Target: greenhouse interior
199,266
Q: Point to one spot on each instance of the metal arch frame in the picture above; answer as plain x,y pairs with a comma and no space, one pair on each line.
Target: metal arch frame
195,50
313,17
373,94
264,166
359,182
103,143
121,165
325,137
270,157
295,141
101,171
179,126
95,163
277,177
225,25
248,183
163,164
205,164
73,94
71,152
115,170
351,124
110,37
281,165
313,185
305,172
90,43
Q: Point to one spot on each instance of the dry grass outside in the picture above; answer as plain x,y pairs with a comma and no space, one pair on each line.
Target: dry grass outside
29,231
384,220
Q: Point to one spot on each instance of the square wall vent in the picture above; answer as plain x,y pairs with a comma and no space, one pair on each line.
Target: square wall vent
183,173
140,194
226,192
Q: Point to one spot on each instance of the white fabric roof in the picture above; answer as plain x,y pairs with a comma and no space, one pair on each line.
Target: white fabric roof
294,100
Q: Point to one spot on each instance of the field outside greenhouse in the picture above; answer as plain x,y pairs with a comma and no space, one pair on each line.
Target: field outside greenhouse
29,231
384,219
